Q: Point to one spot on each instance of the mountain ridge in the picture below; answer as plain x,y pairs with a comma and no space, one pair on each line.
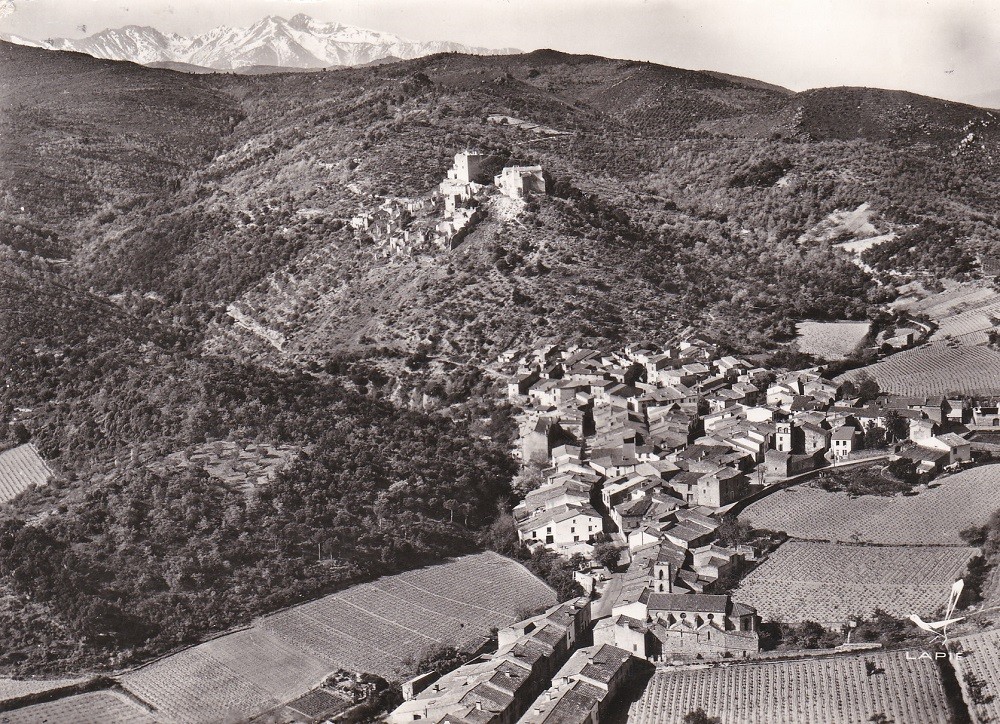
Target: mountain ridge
298,42
626,128
213,214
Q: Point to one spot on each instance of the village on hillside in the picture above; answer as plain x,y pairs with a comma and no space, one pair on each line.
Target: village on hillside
647,449
499,363
646,444
634,463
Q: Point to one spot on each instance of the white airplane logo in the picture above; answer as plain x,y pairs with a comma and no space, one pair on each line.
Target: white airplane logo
940,628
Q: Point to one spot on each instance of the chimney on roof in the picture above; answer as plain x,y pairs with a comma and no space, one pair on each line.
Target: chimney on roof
479,706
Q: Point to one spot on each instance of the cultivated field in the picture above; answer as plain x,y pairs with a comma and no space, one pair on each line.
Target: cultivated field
831,582
932,517
375,626
19,468
831,340
969,328
262,657
980,666
955,299
192,686
860,246
99,707
523,125
936,369
371,627
15,688
963,312
834,690
843,222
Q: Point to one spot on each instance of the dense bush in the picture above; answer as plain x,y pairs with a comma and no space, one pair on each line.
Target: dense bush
762,173
895,478
137,561
930,247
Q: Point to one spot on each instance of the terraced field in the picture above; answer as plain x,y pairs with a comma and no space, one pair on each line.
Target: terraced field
936,369
957,298
963,312
932,517
831,582
980,665
831,340
99,707
20,468
970,327
835,690
193,686
371,627
15,688
262,657
856,223
859,246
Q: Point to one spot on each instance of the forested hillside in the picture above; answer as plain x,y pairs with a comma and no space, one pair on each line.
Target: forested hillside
247,182
86,140
140,207
114,561
136,562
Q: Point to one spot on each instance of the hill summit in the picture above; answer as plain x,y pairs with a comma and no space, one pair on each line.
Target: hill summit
300,42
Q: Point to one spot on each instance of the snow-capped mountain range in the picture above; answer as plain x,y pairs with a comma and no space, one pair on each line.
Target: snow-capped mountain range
297,43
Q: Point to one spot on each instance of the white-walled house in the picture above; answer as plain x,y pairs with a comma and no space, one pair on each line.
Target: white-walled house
561,526
958,448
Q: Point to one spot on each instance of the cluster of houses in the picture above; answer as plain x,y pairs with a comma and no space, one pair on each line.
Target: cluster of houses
586,689
648,445
405,226
541,672
400,225
657,626
554,668
639,443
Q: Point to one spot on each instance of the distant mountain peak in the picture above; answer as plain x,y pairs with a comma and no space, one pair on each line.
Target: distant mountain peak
298,42
301,21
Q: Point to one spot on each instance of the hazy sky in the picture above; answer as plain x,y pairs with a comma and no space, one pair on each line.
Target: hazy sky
945,48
